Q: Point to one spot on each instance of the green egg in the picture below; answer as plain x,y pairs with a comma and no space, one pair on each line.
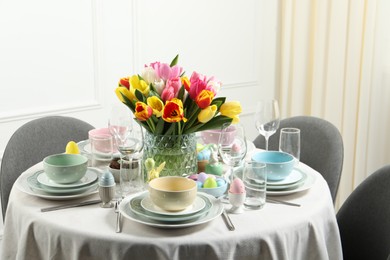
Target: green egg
210,182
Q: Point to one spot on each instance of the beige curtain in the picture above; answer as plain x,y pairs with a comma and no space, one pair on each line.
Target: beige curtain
334,63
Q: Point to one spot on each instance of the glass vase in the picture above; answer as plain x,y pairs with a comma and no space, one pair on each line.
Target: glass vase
177,151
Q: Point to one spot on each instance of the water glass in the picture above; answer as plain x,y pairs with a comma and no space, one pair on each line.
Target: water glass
255,181
290,142
102,147
131,175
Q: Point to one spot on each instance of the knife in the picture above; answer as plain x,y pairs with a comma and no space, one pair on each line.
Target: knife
282,202
73,205
228,221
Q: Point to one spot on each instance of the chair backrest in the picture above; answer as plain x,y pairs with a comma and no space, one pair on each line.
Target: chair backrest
364,218
322,147
32,142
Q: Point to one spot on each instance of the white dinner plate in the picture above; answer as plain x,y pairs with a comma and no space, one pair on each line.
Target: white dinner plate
136,207
90,177
293,177
148,205
214,212
22,184
308,183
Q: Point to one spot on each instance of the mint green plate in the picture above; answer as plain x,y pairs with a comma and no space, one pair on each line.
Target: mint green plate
36,186
136,207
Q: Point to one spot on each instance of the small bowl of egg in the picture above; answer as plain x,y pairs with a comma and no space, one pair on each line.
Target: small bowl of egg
210,184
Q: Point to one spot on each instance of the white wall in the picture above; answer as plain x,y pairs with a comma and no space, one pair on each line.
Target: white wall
66,57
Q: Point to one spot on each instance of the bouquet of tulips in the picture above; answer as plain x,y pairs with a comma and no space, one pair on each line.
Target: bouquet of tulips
166,102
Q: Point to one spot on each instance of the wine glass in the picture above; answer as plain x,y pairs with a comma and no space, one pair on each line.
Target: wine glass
232,146
130,148
267,118
290,142
129,140
120,123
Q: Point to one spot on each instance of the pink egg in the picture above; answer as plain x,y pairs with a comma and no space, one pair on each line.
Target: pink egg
237,186
193,177
202,177
236,148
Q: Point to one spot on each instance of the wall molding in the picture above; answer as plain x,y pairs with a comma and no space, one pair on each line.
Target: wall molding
11,117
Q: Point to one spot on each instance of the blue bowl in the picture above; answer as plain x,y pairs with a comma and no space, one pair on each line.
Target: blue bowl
216,192
279,164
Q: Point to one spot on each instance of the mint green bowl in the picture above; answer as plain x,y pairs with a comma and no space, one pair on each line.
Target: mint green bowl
65,168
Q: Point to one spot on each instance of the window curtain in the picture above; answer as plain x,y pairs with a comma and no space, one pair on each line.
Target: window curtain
334,62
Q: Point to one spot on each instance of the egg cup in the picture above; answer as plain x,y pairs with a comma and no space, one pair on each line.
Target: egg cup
237,201
107,193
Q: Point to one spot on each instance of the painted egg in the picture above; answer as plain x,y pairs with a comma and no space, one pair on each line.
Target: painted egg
210,183
202,177
220,182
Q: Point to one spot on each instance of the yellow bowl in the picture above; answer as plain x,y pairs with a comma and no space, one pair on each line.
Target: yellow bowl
172,193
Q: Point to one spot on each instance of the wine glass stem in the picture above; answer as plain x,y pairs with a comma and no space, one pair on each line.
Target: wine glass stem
266,143
231,171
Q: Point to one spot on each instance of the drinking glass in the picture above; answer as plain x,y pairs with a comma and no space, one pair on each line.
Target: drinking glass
267,118
101,150
131,175
232,146
290,142
255,182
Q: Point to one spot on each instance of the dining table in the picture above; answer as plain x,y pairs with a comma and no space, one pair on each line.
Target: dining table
276,231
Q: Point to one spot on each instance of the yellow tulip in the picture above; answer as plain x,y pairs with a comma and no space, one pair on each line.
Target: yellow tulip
141,85
123,90
231,109
207,114
156,104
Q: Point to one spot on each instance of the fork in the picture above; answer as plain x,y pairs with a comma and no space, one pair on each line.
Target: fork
118,217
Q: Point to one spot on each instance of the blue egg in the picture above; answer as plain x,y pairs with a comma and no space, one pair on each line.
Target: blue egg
107,179
220,182
199,184
204,155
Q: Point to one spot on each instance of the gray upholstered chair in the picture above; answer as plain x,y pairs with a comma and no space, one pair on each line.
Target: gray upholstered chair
32,142
321,147
364,218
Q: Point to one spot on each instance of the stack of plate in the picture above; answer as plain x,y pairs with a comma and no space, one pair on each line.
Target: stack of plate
291,182
140,208
297,181
40,183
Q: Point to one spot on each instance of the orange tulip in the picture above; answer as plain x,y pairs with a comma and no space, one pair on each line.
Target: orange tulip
173,111
186,82
204,98
124,82
142,111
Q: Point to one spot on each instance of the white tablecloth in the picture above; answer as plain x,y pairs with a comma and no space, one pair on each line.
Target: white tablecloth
274,232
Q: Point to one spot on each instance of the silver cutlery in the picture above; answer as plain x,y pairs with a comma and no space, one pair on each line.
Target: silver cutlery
118,226
72,205
228,221
282,202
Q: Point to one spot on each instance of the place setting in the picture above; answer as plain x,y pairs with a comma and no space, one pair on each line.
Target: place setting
171,202
64,176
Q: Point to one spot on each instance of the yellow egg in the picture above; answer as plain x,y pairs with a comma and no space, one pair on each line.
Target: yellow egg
210,182
72,148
